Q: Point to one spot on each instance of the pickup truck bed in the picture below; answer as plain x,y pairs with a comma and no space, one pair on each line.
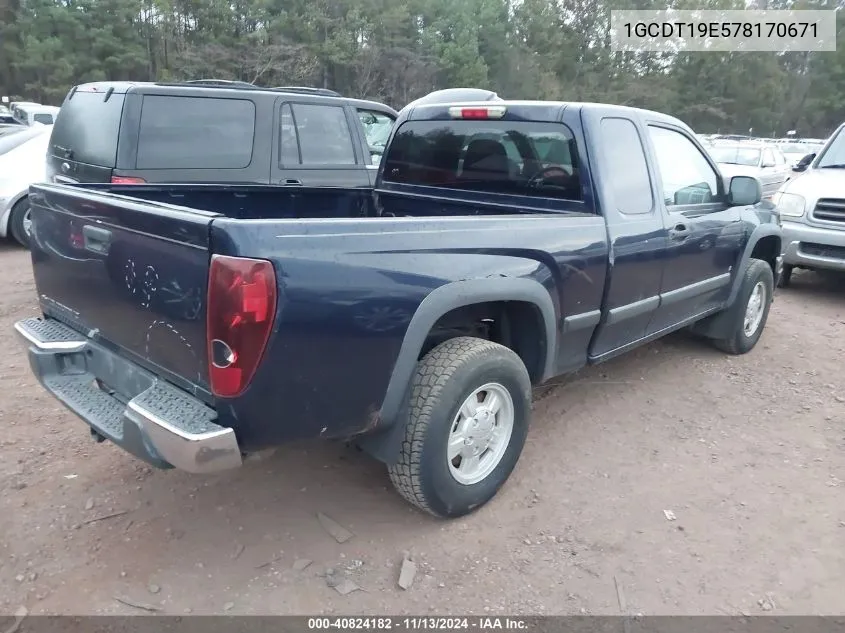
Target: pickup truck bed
191,324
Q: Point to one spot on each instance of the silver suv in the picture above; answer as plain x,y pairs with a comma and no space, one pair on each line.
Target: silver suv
812,210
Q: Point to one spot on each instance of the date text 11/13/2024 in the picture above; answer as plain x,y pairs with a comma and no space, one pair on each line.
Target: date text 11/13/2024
421,623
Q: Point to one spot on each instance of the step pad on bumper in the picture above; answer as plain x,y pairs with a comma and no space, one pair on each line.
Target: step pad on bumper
50,334
161,424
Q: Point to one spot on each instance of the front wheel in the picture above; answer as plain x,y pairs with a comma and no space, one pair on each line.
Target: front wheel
750,311
467,420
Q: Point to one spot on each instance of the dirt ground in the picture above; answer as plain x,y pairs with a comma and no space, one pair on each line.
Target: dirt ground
747,452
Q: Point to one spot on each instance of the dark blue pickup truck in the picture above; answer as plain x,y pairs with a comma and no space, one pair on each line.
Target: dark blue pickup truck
504,243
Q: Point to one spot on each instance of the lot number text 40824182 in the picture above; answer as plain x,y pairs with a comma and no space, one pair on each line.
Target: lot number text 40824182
421,623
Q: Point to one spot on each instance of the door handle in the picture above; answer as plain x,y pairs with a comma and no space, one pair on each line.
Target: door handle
679,232
292,181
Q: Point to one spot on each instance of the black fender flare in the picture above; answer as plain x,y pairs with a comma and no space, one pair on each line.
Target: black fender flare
759,232
384,441
717,325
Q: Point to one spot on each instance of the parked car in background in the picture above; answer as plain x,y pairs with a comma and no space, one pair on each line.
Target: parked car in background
731,137
762,161
506,242
21,165
794,152
37,114
11,128
16,106
17,135
705,139
812,210
216,132
6,116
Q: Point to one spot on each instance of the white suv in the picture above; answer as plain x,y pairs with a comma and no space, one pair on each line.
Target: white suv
812,211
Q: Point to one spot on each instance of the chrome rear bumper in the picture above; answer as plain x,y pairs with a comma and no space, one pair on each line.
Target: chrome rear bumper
149,418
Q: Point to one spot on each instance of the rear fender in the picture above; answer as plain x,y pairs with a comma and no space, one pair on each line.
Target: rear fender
385,442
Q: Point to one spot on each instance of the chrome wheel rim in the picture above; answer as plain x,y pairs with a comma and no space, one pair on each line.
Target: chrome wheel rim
27,222
754,309
480,434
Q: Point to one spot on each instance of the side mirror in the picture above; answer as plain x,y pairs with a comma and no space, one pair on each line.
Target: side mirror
744,191
804,163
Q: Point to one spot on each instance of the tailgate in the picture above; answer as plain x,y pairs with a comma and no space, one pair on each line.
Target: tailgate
129,273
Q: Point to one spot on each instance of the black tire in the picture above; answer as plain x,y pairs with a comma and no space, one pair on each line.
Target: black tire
738,341
785,276
16,218
445,378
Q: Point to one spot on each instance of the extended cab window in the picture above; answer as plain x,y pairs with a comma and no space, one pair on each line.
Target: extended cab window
687,176
195,133
625,158
511,157
315,135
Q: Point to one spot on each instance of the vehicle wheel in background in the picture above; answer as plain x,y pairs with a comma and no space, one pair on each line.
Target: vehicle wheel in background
785,276
751,309
20,223
467,418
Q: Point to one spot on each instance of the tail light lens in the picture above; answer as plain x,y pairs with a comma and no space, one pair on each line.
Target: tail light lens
127,180
480,112
241,309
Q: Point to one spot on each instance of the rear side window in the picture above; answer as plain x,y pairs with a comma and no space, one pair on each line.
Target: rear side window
627,168
512,157
87,127
46,119
315,135
195,133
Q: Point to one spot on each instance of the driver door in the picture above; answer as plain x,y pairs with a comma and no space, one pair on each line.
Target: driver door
704,234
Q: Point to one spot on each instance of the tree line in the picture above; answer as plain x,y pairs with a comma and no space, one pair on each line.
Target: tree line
396,50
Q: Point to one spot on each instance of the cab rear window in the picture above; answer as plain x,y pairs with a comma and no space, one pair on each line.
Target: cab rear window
510,157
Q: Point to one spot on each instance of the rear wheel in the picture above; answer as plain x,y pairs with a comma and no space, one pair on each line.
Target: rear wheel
750,311
20,222
468,416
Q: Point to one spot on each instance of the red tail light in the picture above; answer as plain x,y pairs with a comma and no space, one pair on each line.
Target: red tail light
241,309
127,180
